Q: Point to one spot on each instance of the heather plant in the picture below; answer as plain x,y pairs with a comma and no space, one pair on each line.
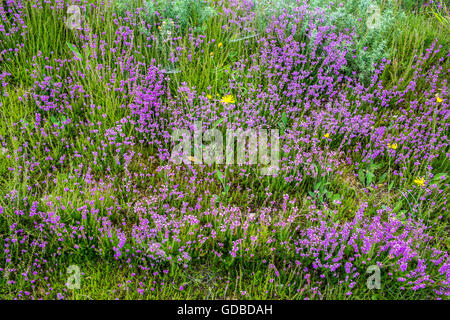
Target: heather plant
418,5
372,22
186,14
411,36
440,12
87,181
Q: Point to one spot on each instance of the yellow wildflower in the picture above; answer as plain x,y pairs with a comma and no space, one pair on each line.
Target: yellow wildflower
327,135
228,99
209,96
219,44
392,146
191,158
438,99
420,182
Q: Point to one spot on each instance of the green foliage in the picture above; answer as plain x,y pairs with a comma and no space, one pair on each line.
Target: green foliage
372,22
185,13
441,13
412,5
411,35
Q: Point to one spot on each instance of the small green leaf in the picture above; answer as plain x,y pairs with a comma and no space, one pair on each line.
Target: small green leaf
336,197
54,120
361,176
439,177
391,185
221,178
370,177
74,50
284,119
398,206
218,122
401,215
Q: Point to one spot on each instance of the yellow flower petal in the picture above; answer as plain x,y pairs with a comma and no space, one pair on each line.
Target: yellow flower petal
191,158
228,99
420,182
393,146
